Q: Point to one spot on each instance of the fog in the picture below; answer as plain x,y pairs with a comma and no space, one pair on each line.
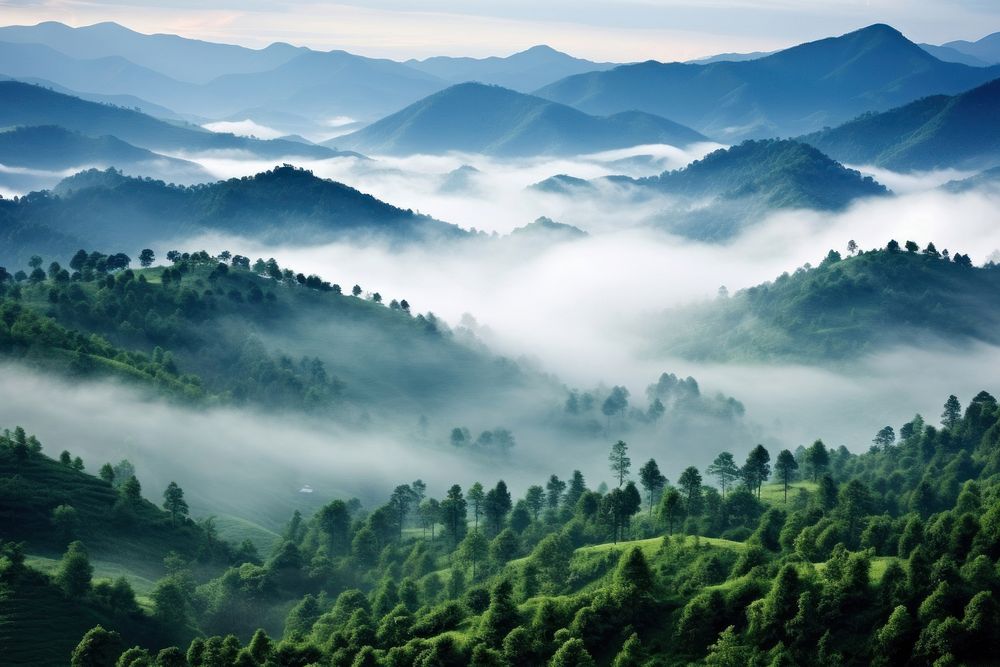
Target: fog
252,464
583,308
586,310
493,197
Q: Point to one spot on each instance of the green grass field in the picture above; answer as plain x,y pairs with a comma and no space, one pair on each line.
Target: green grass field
236,529
774,494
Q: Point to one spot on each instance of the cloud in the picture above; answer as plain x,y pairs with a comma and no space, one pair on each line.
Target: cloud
584,309
245,128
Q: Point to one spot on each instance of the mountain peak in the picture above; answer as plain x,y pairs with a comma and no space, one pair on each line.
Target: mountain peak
540,49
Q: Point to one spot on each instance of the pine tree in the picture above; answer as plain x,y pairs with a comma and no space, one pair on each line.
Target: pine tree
785,467
502,615
573,653
173,502
724,470
952,412
620,462
652,480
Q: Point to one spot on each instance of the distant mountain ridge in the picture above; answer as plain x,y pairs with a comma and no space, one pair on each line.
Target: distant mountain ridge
960,131
178,57
53,147
478,118
986,49
25,104
794,91
523,71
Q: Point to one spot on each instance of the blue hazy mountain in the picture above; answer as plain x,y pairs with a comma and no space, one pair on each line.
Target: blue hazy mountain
177,57
523,71
25,104
794,91
986,49
211,80
111,75
478,118
960,131
323,84
951,55
729,57
53,147
127,101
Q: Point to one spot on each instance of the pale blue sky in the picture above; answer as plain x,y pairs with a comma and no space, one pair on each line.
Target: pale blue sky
618,30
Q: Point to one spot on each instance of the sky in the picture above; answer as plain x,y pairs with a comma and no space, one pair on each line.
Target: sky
606,30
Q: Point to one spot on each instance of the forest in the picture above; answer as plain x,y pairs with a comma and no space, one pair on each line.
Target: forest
814,556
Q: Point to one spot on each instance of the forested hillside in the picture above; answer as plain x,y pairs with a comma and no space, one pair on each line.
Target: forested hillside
937,132
218,329
815,556
845,306
93,207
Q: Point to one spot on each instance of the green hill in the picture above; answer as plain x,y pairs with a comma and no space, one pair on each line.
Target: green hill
138,534
476,118
939,132
887,553
744,183
845,307
108,209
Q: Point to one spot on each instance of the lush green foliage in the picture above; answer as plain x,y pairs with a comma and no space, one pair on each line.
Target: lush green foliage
847,306
86,209
890,559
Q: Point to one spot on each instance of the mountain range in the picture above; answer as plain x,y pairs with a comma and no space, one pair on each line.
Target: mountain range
936,132
24,104
985,50
794,91
523,71
478,118
295,88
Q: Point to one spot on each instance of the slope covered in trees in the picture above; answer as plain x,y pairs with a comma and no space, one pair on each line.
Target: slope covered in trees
847,306
219,329
886,557
92,207
744,183
99,525
938,132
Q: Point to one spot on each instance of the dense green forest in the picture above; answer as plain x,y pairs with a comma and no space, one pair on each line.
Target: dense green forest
815,556
849,304
220,329
285,203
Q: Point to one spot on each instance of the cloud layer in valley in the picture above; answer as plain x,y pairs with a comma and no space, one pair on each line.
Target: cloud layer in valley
583,308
